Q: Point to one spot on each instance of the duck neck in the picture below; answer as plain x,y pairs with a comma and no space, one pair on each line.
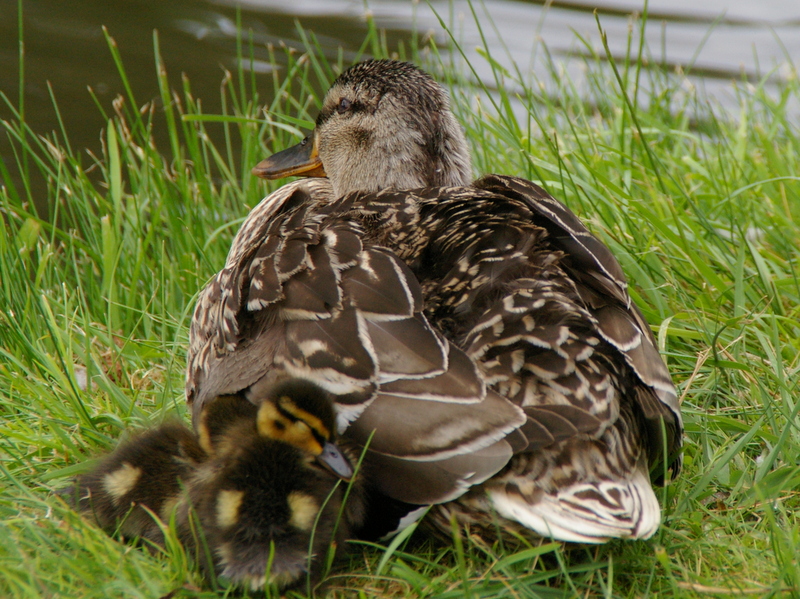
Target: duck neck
448,160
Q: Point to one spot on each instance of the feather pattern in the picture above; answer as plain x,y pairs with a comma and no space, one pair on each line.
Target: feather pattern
348,315
581,370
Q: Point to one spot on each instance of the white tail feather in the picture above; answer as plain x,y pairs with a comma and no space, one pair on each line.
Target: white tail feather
587,513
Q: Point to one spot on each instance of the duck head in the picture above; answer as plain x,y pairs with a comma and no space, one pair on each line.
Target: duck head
383,124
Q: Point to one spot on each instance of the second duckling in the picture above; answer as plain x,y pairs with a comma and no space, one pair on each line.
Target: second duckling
134,490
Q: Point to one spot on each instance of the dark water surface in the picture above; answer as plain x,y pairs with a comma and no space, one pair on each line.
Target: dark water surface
724,40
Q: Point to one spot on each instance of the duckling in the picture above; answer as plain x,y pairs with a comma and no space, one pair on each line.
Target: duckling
267,506
476,338
254,494
134,489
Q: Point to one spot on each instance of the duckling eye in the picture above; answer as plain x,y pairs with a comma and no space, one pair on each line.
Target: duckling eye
344,105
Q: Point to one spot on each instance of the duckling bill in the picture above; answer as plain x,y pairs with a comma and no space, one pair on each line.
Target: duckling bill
475,336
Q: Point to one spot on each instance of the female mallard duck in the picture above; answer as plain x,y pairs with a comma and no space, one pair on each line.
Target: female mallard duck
257,490
475,336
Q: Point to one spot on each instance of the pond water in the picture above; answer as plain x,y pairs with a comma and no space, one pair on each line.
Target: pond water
724,40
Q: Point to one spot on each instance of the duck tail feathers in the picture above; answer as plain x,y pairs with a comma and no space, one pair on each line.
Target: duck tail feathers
587,512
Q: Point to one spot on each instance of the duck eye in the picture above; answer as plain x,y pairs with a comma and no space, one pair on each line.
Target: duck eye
344,105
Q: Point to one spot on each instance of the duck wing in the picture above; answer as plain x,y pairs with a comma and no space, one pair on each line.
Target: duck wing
302,295
511,276
602,286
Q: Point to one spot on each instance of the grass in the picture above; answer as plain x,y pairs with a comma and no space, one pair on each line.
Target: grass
699,206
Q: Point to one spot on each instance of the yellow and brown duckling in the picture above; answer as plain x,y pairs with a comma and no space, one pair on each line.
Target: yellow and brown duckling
474,334
134,490
256,498
271,492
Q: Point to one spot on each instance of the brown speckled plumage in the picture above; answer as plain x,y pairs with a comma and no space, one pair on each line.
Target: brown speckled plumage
477,336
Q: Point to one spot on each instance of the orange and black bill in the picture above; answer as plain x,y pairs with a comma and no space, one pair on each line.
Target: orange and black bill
301,160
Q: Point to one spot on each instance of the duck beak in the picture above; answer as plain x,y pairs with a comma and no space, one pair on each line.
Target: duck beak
333,459
300,160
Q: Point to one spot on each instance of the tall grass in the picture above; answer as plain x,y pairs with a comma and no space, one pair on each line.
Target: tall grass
699,206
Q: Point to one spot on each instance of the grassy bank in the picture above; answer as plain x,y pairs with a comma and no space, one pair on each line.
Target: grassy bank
699,207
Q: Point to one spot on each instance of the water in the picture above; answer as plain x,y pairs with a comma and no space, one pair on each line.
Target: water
724,40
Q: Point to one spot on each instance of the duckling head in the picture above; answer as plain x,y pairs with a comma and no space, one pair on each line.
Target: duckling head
299,413
383,124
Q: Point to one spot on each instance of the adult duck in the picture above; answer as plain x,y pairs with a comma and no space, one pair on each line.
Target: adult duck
474,335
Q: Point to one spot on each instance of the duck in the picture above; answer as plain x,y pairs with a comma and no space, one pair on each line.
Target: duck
258,495
271,504
479,343
133,490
